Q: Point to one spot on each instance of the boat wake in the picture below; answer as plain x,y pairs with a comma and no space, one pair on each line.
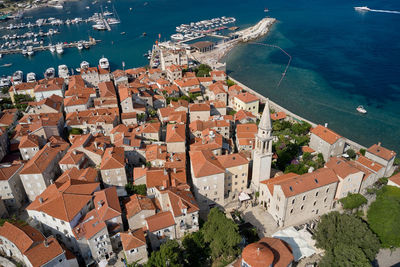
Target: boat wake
385,11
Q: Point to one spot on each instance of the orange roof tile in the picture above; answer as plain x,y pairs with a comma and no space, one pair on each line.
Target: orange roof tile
160,221
232,160
176,133
137,203
341,167
133,239
278,116
114,158
381,152
326,134
204,163
247,97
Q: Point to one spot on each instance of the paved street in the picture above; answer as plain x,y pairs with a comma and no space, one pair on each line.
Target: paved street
261,219
387,258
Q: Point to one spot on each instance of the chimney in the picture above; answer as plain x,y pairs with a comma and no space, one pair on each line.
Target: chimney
45,243
160,150
99,204
165,172
49,144
51,181
173,182
165,183
96,145
74,152
142,166
41,200
326,125
174,170
379,143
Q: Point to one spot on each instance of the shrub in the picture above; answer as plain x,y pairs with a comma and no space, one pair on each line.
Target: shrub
362,151
132,189
353,201
351,153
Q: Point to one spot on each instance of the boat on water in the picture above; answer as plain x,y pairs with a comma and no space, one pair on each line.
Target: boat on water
24,51
63,71
58,6
17,77
7,65
52,48
5,82
84,65
362,8
107,13
122,33
31,77
103,63
50,73
113,21
30,51
59,48
80,46
361,109
100,26
177,37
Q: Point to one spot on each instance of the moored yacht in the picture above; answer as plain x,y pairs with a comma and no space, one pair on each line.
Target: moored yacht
31,77
80,46
59,48
50,73
84,65
362,8
52,48
30,51
5,82
177,37
63,71
17,77
103,63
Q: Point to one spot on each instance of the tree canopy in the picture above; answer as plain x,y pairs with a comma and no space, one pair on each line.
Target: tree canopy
222,234
345,238
384,216
196,250
203,70
170,254
353,201
136,189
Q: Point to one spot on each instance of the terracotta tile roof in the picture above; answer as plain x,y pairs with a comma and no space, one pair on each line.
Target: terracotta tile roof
136,71
124,93
113,158
93,143
308,149
179,103
75,100
65,202
370,164
247,97
181,199
139,172
72,157
164,112
54,84
298,184
29,141
381,152
54,102
137,203
107,89
157,177
42,253
232,160
217,73
276,180
326,134
149,127
199,107
133,239
235,88
106,204
217,88
245,133
174,68
90,70
42,159
23,87
88,175
243,114
7,172
205,163
172,89
156,152
207,142
128,115
88,226
205,79
199,125
341,167
7,117
118,73
188,82
160,221
395,179
176,133
278,116
268,251
178,117
45,118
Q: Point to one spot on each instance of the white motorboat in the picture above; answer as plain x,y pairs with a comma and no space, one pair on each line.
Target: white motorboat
113,21
177,37
59,48
59,6
50,73
24,51
63,71
107,13
80,46
362,8
100,26
31,77
30,51
84,65
361,109
103,63
52,48
17,77
5,82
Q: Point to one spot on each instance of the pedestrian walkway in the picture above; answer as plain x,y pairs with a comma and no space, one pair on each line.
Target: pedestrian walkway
261,219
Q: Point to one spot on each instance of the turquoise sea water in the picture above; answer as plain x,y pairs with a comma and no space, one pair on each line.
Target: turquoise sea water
341,58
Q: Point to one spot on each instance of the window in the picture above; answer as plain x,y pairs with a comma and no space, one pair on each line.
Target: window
291,211
302,207
316,194
327,190
293,201
325,199
304,197
315,203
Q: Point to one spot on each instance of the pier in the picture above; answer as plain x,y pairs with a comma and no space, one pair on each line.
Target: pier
91,42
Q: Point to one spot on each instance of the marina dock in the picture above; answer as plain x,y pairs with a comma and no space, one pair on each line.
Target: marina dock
91,42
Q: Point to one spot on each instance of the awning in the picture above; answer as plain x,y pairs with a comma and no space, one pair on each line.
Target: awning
300,241
243,196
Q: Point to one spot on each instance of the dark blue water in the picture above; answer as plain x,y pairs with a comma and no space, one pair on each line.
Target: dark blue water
341,58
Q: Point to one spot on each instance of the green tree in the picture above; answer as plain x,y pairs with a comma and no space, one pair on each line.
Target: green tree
307,156
345,255
353,201
196,250
337,231
136,189
362,151
222,234
351,153
203,70
230,82
297,168
384,216
169,255
75,131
